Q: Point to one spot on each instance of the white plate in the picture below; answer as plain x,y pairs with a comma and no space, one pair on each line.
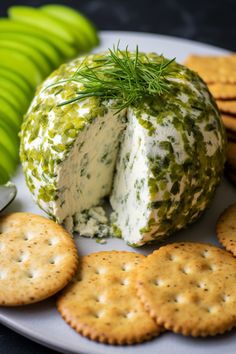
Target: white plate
42,323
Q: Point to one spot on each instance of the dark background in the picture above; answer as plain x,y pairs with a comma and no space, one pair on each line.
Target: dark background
209,21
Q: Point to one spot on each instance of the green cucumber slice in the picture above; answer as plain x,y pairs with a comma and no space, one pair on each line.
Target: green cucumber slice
74,19
22,64
8,111
10,86
39,60
41,20
17,79
12,146
12,100
7,163
11,26
45,48
4,176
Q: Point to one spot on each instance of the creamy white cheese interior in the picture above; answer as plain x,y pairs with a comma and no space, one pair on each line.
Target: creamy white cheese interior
85,177
130,193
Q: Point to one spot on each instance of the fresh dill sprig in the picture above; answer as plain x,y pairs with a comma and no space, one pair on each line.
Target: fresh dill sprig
123,77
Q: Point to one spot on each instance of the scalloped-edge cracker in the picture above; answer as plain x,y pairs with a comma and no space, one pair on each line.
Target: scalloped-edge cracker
189,288
37,258
214,69
102,303
226,228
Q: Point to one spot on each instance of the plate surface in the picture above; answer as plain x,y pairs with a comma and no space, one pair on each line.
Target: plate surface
42,323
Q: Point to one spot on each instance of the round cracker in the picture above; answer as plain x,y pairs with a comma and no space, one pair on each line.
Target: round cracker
189,288
226,229
102,303
37,258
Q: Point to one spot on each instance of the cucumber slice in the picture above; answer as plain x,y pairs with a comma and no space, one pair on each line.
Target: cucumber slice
7,163
82,41
8,111
10,86
17,79
74,19
45,48
10,26
12,100
41,20
12,146
4,176
22,64
39,60
12,133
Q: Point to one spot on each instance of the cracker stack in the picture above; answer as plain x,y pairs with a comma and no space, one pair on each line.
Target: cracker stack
219,72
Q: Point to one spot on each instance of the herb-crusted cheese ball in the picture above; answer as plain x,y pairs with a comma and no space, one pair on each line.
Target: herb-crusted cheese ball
159,160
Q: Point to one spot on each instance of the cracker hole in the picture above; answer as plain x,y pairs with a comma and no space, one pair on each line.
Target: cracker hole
211,309
3,274
52,261
99,271
185,270
171,257
212,267
225,298
19,259
124,267
100,299
124,282
202,285
179,299
31,275
204,254
28,235
128,315
158,282
52,241
98,315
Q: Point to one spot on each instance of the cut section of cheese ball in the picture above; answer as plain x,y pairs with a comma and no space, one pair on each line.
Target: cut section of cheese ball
167,170
170,150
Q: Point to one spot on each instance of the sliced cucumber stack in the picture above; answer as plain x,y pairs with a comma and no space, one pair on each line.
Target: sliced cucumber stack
33,43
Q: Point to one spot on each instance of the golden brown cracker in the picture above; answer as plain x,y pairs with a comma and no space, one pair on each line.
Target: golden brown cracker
229,122
189,288
227,106
102,304
223,91
37,258
214,69
226,229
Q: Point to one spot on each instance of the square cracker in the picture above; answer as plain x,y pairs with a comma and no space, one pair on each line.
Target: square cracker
223,91
214,69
